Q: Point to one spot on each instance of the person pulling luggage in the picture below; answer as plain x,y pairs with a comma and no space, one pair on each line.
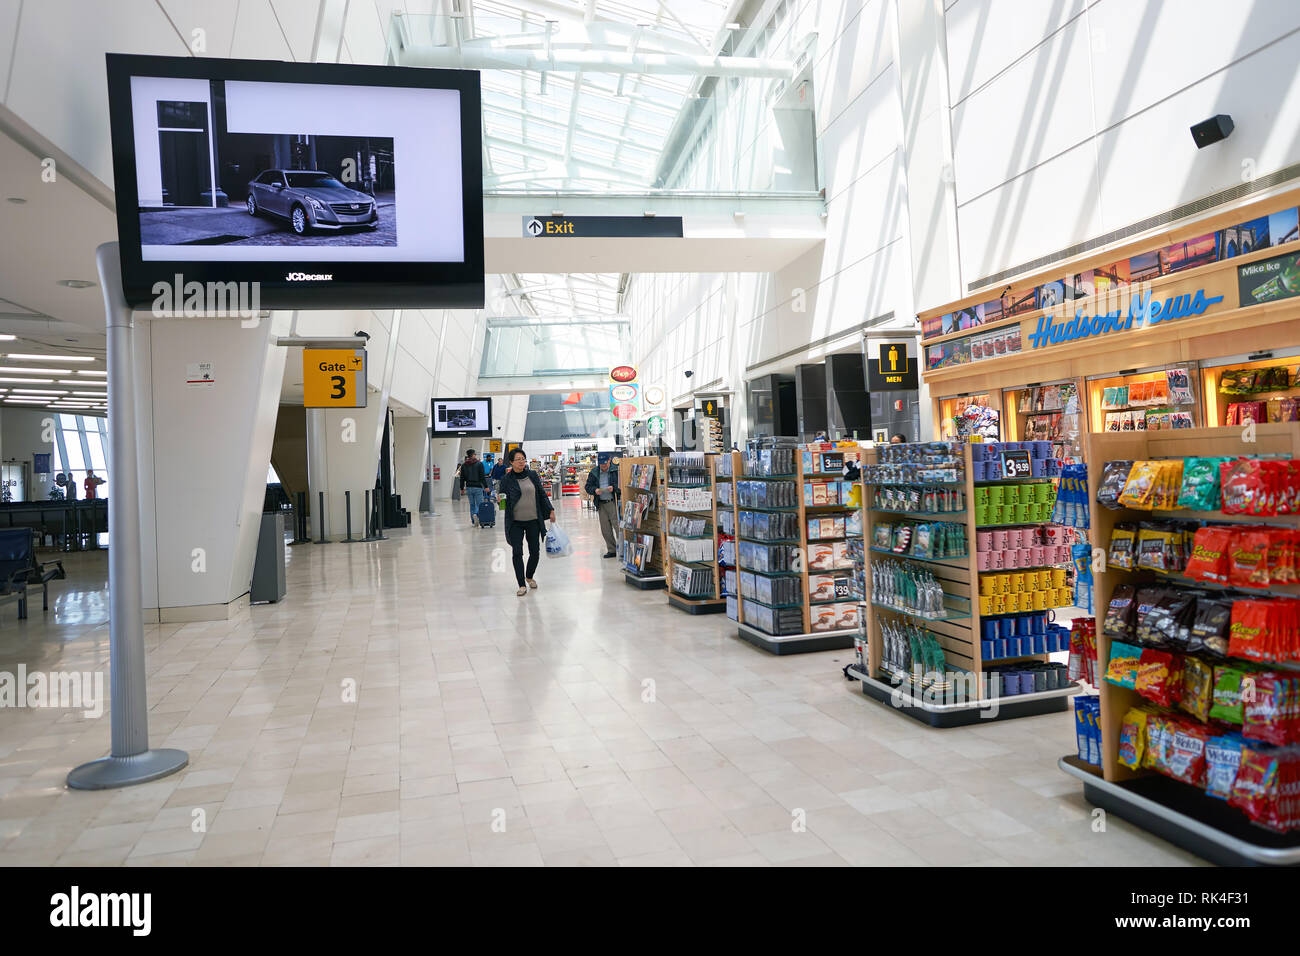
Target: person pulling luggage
473,482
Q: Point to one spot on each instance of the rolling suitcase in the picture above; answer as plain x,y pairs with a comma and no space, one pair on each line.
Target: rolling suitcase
487,512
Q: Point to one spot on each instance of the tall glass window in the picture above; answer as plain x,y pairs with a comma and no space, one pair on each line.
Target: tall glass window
79,450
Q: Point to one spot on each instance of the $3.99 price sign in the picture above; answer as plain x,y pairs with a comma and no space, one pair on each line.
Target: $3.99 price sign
1015,464
334,378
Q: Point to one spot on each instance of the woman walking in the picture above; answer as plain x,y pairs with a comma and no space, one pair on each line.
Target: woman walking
527,508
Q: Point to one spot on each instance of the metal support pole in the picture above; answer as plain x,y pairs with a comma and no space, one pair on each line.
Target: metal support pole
370,523
131,761
320,521
300,533
379,518
347,507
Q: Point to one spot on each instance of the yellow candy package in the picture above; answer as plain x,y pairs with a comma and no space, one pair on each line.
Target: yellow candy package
1133,737
1140,486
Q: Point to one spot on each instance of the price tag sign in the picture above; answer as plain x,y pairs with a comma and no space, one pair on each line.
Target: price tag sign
334,378
841,589
1015,464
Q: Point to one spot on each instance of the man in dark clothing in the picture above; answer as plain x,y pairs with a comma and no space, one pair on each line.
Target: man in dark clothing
498,472
602,487
473,482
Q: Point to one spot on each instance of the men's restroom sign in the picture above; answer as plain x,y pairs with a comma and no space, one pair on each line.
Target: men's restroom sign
892,370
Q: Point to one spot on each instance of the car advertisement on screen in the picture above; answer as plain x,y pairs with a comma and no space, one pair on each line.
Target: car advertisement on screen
462,417
326,185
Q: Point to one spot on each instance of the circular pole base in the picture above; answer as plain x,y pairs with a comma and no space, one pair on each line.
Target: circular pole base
107,773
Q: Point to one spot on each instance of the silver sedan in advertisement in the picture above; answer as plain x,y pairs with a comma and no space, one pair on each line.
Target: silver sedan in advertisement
310,199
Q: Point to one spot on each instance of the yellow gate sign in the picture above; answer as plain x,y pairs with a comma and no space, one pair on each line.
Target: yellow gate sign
494,446
334,378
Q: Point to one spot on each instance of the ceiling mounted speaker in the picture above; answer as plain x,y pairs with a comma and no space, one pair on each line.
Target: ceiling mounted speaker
1212,130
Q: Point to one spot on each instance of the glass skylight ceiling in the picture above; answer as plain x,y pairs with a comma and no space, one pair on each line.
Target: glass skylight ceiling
578,129
536,294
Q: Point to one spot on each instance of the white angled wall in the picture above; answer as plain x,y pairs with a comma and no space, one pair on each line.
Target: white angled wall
1071,119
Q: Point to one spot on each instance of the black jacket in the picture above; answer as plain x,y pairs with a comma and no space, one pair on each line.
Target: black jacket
513,487
472,475
593,483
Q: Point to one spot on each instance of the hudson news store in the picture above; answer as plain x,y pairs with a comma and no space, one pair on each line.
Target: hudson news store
1195,327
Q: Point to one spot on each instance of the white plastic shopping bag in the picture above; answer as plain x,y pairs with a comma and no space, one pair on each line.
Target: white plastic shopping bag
557,542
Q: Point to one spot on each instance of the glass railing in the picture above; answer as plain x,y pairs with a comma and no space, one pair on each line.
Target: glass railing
613,107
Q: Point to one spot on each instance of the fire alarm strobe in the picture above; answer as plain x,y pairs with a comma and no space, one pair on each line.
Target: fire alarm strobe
1212,130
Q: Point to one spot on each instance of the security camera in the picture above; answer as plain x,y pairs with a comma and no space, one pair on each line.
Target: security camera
362,335
689,373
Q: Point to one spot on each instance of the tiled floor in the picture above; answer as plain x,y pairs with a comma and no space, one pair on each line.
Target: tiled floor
585,724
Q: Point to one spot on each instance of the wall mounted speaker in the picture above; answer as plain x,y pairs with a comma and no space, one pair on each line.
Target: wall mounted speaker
1212,130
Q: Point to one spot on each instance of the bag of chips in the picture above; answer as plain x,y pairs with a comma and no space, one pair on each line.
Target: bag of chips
1158,678
1227,694
1113,478
1222,758
1122,669
1196,693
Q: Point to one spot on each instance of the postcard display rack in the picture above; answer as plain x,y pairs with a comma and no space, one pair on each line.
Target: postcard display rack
962,567
690,541
641,522
1218,739
796,521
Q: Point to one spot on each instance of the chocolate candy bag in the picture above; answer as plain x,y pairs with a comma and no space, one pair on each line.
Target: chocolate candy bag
1120,613
1113,478
1210,626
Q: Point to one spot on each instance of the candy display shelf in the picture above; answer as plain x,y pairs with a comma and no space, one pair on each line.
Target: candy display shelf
641,485
971,686
1175,810
792,582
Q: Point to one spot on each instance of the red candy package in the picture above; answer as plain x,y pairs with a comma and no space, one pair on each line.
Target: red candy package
1255,789
1248,558
1249,634
1246,487
1269,710
1186,759
1159,676
1210,550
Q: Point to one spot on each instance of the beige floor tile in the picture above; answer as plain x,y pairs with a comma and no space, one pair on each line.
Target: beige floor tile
474,704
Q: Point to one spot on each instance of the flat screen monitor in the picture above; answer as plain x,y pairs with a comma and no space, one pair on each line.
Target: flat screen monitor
462,417
326,185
